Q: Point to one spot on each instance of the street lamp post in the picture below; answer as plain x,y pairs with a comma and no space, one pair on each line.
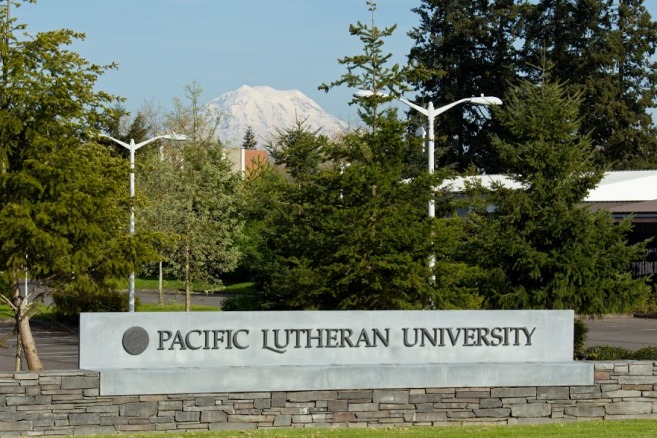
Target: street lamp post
132,147
431,113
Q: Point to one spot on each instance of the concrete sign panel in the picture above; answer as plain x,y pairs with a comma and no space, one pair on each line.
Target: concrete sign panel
204,339
266,351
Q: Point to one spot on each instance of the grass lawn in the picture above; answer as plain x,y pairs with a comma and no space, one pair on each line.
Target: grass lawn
595,429
175,307
173,284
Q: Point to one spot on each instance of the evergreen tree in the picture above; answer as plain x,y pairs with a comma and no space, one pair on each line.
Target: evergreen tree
63,214
604,50
601,48
540,247
469,49
348,229
249,141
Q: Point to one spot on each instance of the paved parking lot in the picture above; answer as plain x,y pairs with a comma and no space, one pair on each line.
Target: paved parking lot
59,349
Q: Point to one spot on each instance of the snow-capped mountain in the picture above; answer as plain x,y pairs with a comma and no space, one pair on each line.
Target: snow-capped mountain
265,109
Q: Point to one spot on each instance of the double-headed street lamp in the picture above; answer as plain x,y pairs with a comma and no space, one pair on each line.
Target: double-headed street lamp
132,147
430,112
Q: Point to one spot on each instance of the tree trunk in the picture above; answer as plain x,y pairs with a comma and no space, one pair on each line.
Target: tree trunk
29,347
25,338
187,288
160,286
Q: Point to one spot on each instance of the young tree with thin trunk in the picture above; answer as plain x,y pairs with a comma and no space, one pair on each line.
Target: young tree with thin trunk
193,197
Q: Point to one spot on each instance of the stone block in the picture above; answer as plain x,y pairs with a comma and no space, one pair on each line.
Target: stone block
295,411
80,382
424,407
350,395
145,398
204,401
421,417
645,387
138,409
621,394
584,410
84,419
552,393
312,396
460,415
262,403
629,408
170,405
603,366
425,398
166,426
363,407
12,389
344,417
390,396
531,410
32,390
338,405
13,416
183,417
601,376
640,369
451,405
621,368
50,380
513,392
514,401
20,400
493,413
637,380
12,426
26,376
282,420
250,418
372,415
585,389
302,419
472,394
488,403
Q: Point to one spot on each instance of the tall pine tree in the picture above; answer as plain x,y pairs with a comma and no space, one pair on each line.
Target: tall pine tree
541,249
469,49
603,49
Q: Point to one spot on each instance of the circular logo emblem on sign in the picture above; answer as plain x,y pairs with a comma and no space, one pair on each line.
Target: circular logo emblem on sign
135,340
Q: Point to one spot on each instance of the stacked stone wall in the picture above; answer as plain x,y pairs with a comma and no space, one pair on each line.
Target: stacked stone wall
69,403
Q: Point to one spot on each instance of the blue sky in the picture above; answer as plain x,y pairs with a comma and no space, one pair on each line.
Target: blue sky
163,45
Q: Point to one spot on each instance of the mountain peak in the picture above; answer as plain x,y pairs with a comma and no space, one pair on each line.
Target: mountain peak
265,110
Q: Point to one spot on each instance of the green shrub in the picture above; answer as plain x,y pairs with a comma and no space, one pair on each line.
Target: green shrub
646,353
241,303
607,352
580,333
69,304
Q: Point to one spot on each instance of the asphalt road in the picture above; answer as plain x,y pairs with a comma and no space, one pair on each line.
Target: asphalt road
59,349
